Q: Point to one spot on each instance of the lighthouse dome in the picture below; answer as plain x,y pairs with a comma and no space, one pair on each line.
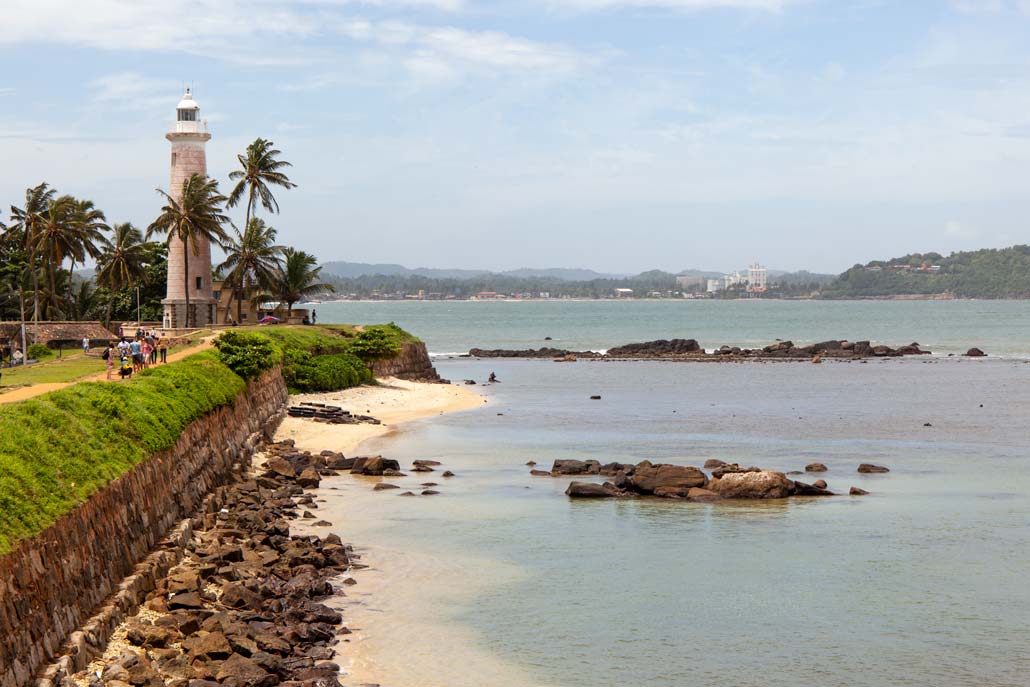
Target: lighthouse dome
187,102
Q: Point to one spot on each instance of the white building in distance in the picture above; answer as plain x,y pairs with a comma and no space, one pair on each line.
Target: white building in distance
757,277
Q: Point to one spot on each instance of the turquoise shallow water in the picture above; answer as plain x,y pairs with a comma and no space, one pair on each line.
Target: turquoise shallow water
999,327
509,583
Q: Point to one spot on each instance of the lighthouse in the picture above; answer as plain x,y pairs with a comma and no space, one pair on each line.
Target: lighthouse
188,138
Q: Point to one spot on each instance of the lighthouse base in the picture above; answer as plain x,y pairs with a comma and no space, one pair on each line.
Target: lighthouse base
202,313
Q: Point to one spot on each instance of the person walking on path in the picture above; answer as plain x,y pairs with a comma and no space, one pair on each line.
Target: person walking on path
147,350
108,355
85,345
162,346
136,349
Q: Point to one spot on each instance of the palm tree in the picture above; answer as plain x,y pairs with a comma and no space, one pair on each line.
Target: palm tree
89,224
260,170
55,239
26,222
121,264
252,258
198,216
297,278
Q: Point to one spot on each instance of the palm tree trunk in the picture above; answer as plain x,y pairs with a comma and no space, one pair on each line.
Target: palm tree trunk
228,306
35,298
110,307
71,274
239,301
53,289
24,345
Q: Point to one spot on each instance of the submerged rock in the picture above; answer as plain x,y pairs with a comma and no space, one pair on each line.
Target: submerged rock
870,468
855,491
591,490
815,467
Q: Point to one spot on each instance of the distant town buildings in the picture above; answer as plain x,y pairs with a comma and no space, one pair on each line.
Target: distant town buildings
690,282
624,293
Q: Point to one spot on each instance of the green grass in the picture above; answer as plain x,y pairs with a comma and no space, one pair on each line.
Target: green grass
58,449
70,367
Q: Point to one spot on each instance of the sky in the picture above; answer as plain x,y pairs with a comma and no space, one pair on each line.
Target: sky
618,135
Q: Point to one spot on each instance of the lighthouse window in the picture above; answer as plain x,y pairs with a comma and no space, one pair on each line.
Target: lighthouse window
200,283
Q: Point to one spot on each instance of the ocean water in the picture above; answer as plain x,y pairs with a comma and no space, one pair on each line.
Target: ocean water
502,581
998,327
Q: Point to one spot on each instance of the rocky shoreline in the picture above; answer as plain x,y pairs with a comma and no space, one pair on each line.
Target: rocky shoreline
244,608
690,350
662,480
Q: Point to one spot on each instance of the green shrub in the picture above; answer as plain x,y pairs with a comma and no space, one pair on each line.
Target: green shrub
38,351
247,354
375,343
305,373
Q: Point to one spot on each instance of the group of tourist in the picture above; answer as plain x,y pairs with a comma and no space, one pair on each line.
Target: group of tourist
135,354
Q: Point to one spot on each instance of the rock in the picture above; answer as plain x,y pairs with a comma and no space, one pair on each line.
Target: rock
408,493
855,491
212,645
714,463
657,348
531,463
389,472
671,492
540,473
235,595
382,486
188,600
974,353
448,473
589,490
374,465
429,492
815,467
802,489
576,467
595,398
149,635
729,468
819,483
870,468
322,523
431,463
277,465
245,673
699,495
470,382
429,484
422,468
309,478
764,484
647,477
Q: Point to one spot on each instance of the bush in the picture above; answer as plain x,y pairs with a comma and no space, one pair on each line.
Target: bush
38,351
377,342
247,354
305,373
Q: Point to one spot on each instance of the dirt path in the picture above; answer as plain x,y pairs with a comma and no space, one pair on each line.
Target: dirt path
26,392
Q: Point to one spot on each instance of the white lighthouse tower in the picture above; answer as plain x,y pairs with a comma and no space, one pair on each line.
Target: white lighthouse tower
188,158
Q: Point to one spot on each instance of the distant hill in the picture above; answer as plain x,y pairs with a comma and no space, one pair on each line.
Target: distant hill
988,273
353,270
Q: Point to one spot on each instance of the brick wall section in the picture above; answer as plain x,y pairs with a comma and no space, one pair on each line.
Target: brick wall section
413,363
51,584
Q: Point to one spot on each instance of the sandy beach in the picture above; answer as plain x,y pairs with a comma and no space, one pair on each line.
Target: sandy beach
392,402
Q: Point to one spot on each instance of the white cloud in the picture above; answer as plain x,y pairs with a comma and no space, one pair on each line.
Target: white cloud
132,90
766,5
991,6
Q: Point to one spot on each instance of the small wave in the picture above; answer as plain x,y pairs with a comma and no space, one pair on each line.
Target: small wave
433,354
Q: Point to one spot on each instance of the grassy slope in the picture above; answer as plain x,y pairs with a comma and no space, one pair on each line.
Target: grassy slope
59,448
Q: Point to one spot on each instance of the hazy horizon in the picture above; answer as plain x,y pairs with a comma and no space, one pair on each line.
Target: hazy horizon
613,135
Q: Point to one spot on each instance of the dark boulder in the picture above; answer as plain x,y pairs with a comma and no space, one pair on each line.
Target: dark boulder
591,490
974,353
815,467
868,468
647,478
661,347
855,491
576,467
802,489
